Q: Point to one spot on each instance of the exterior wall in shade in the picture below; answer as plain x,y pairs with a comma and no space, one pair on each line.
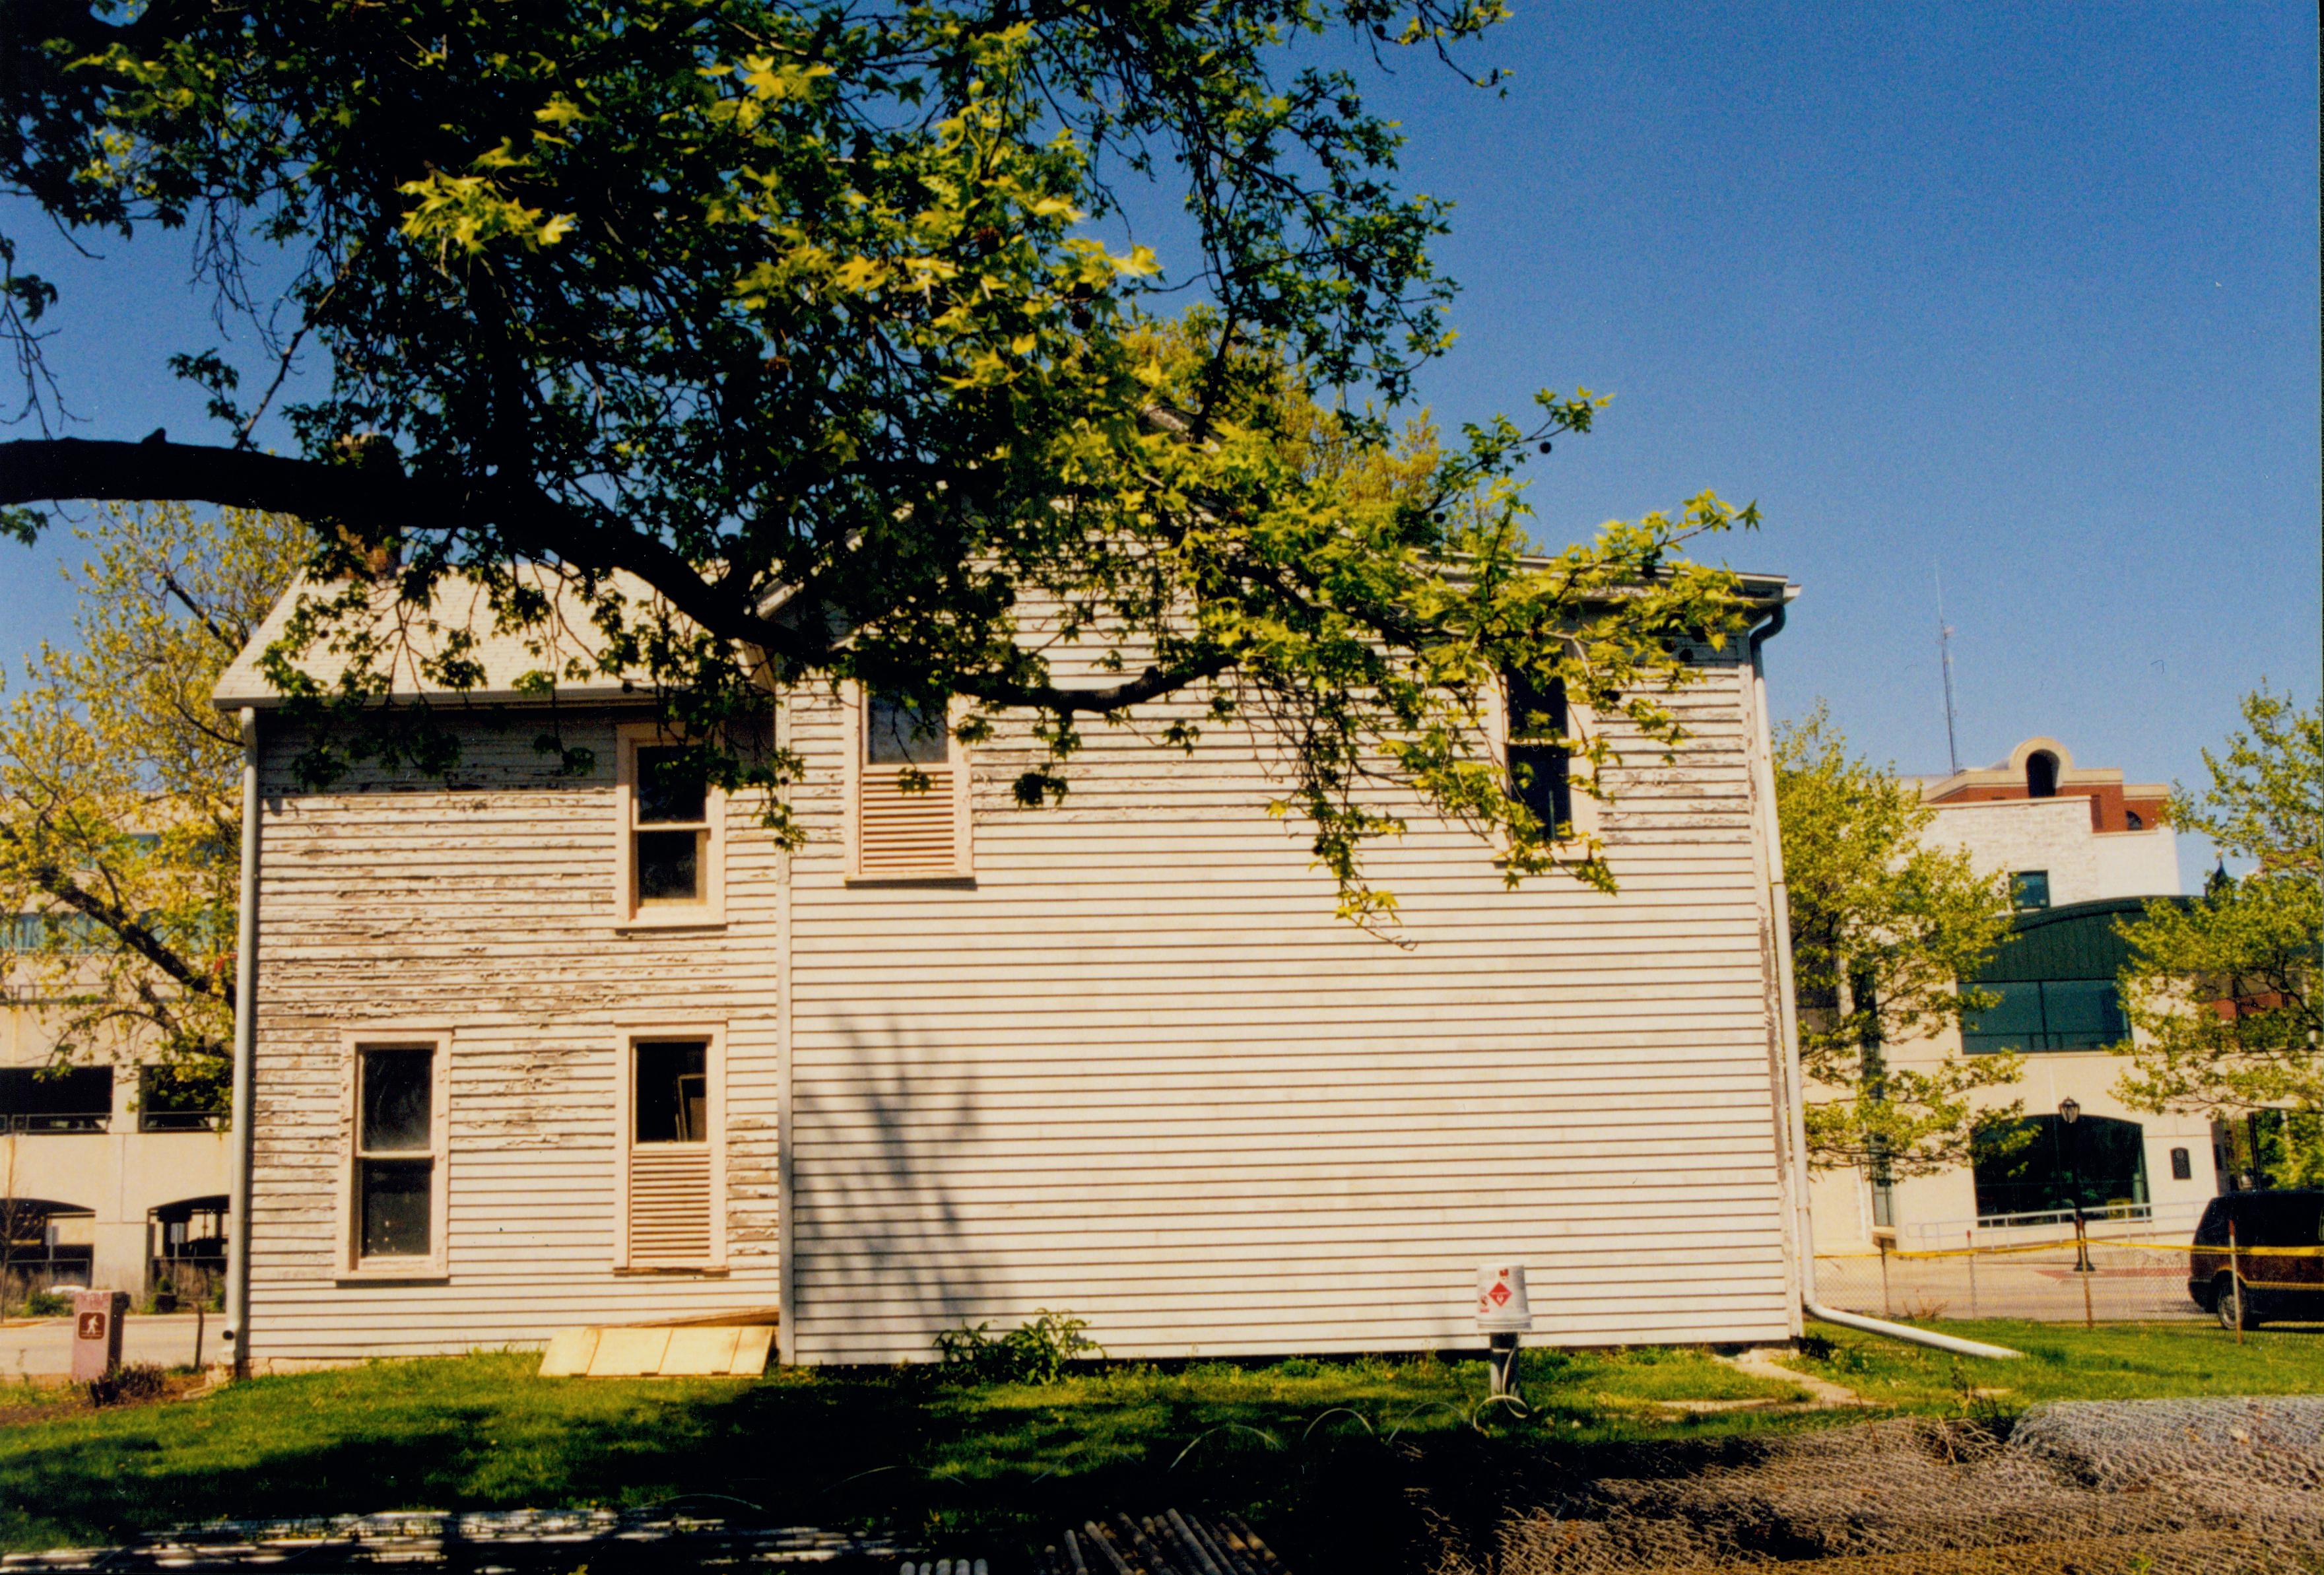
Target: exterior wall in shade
1138,1069
484,904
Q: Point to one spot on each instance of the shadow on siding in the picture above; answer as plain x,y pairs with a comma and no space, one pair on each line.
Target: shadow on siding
883,1256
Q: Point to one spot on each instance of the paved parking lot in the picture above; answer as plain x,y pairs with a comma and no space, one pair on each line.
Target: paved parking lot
42,1348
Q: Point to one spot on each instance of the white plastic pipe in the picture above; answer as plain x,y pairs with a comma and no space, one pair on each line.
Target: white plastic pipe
1881,1326
245,1061
1787,1017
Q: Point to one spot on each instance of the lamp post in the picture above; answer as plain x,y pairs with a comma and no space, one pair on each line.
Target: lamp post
2070,1113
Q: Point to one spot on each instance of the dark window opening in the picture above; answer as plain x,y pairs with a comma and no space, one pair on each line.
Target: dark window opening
2133,821
669,866
395,1207
2048,1014
73,1099
399,1099
2029,890
673,799
395,1164
671,788
2040,775
2043,1164
1540,764
898,732
166,1103
672,1104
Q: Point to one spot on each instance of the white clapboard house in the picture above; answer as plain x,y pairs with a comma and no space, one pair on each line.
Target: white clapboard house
535,1051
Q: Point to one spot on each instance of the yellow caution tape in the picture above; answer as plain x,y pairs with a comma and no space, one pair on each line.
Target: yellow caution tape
2017,1249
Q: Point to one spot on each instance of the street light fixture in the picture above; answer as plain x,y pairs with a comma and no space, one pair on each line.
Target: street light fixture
2070,1113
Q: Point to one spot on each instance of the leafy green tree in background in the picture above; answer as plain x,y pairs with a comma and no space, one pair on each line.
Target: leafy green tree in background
2222,990
1883,929
120,802
812,334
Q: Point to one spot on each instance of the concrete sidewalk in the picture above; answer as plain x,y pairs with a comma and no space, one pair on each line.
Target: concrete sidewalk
43,1348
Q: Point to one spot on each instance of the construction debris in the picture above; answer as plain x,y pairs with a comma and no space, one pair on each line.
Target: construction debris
1170,1543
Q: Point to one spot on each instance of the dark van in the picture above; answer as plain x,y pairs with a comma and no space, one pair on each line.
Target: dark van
2275,1284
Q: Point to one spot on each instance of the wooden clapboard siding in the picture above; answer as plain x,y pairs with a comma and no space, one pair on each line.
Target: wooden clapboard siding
486,903
1134,1067
1140,1069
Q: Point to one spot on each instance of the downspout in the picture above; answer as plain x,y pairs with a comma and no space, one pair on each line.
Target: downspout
246,1059
1788,1027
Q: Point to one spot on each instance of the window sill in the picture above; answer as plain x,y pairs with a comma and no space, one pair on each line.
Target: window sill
958,879
675,919
695,1271
414,1274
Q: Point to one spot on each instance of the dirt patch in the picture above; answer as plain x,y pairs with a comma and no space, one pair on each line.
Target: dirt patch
22,1404
2216,1486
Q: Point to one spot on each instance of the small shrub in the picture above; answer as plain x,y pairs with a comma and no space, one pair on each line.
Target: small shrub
1829,1353
1035,1352
129,1384
1298,1367
47,1305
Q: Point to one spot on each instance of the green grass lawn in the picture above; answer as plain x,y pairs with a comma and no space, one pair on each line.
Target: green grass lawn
1320,1453
2061,1361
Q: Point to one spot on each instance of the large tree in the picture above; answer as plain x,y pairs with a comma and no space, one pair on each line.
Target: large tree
120,813
823,321
1885,930
2223,990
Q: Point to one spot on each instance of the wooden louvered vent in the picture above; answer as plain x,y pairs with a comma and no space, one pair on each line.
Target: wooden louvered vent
669,1203
901,832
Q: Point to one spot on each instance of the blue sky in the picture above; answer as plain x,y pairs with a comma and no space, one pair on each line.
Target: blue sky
2022,295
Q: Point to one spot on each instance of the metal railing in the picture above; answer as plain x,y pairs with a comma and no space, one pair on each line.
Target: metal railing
2091,1212
42,1122
181,1120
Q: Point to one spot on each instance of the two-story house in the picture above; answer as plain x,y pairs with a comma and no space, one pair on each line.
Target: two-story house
537,1050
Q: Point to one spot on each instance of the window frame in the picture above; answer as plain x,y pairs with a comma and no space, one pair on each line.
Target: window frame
630,913
1580,773
435,1264
2022,881
855,711
631,1034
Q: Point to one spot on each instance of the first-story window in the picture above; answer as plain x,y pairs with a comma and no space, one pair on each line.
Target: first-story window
672,1151
671,842
395,1181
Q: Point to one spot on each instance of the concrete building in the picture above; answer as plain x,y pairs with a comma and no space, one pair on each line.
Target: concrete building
2083,850
97,1185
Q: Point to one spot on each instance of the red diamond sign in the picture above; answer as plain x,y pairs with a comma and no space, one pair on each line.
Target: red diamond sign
1500,1294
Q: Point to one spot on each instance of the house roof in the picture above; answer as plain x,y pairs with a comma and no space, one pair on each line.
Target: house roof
570,647
567,647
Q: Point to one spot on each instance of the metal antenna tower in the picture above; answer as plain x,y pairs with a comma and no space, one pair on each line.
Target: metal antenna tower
1945,656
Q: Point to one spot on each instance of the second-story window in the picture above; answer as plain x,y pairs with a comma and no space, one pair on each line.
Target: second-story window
1540,764
670,834
910,787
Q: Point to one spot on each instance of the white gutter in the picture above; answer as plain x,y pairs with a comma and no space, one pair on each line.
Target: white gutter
245,1057
1789,1022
